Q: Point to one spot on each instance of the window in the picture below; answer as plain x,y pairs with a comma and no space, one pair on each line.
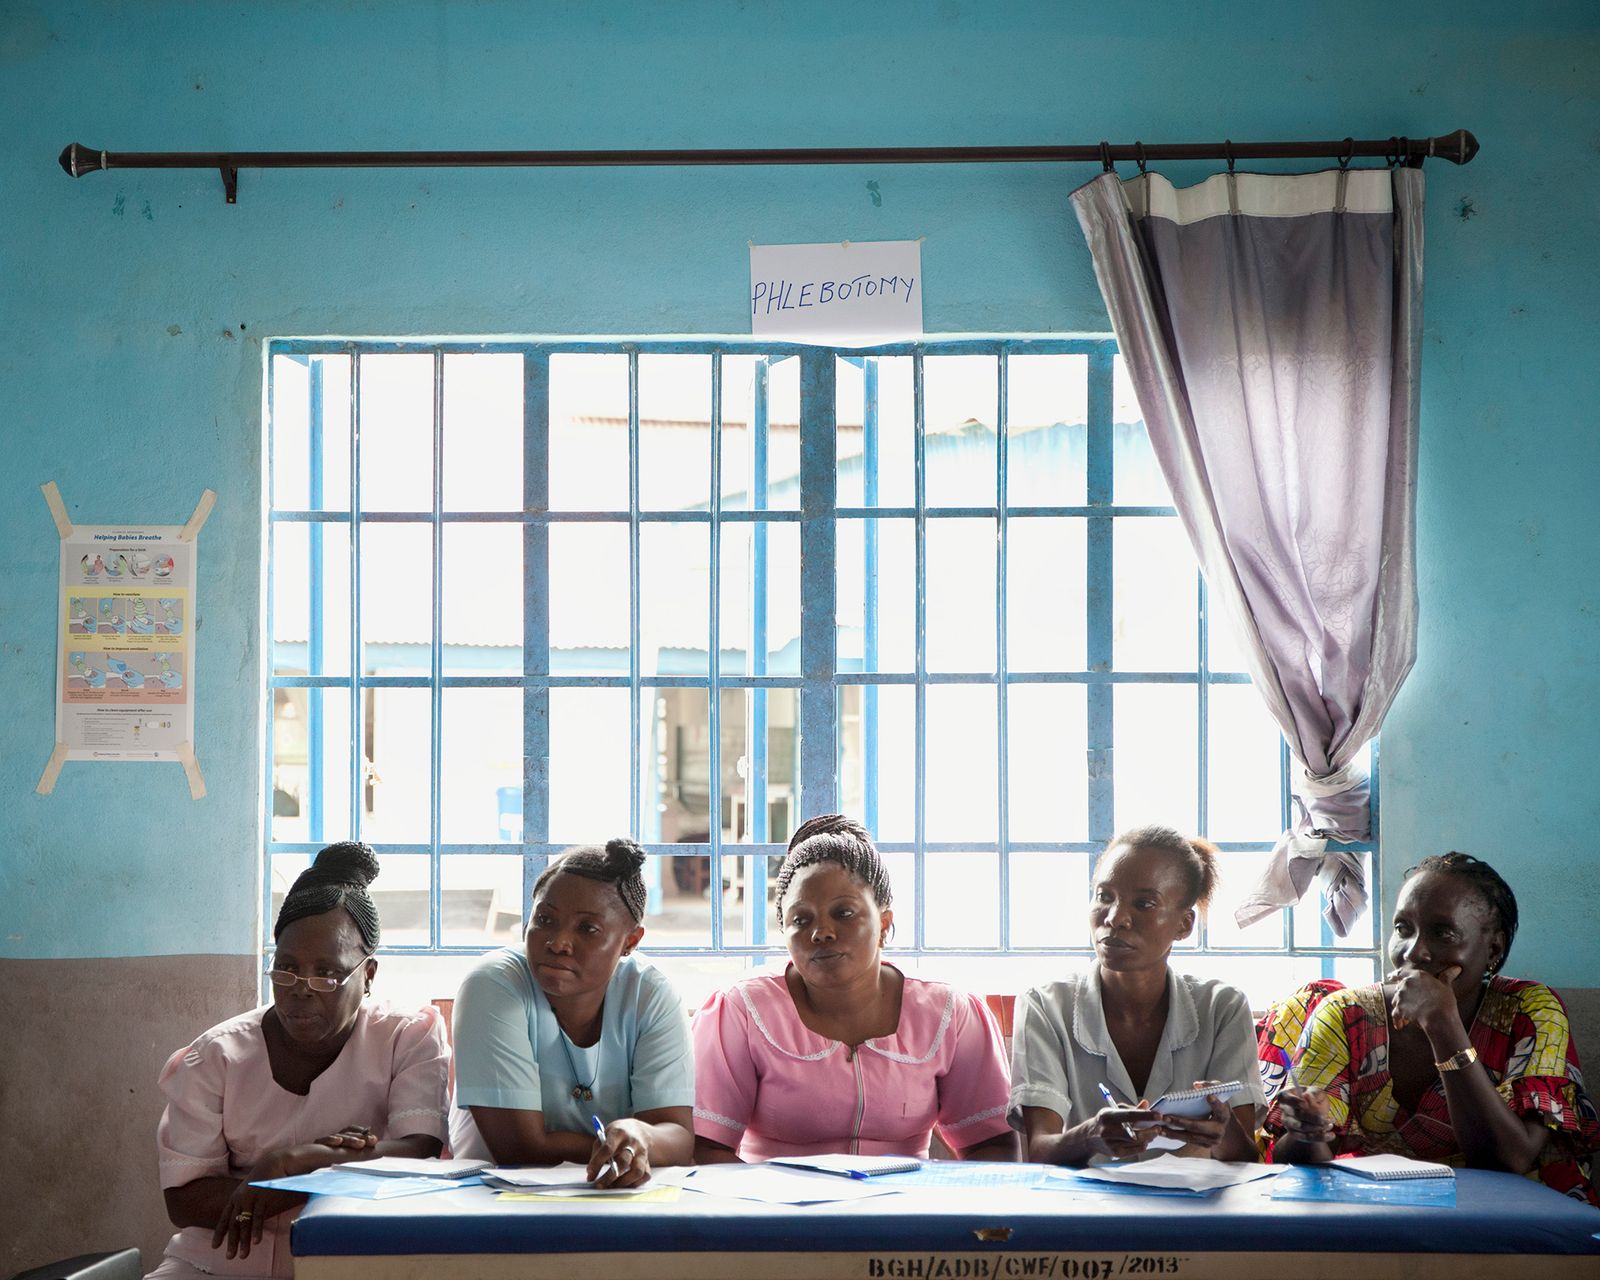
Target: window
526,595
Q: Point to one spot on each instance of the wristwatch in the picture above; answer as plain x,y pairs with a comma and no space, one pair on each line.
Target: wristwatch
1456,1061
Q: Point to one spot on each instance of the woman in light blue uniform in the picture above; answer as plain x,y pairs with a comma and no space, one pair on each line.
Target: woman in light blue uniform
574,1027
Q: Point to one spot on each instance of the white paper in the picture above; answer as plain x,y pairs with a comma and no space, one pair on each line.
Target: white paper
851,1166
542,1178
772,1184
570,1179
1184,1173
584,1190
407,1166
852,293
124,657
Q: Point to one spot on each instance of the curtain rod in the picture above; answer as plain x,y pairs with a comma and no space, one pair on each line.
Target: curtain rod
1458,147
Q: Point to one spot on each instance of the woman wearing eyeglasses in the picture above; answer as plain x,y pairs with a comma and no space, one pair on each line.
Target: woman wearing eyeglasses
321,1076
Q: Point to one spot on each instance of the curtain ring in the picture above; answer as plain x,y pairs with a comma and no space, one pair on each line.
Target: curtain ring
1402,152
1349,152
1227,150
1391,154
1105,157
1138,150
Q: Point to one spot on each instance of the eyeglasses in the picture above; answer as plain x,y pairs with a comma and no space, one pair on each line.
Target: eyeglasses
284,980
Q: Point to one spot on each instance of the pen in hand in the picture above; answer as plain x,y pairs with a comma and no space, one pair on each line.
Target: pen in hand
1112,1102
600,1132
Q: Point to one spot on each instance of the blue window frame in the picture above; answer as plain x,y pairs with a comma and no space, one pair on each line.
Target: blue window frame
525,595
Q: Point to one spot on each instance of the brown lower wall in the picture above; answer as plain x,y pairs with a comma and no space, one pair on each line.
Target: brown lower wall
84,1042
1583,1009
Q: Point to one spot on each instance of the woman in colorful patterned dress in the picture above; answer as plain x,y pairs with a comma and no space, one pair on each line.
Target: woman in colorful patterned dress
1446,1060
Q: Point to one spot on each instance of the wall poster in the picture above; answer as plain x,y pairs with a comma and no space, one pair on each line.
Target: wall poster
125,643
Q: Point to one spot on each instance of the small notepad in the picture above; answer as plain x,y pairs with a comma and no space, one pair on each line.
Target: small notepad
851,1166
1387,1168
1188,1102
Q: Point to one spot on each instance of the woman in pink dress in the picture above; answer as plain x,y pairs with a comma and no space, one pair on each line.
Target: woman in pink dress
321,1076
843,1053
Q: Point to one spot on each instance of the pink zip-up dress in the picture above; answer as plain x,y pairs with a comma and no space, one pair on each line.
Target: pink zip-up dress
767,1085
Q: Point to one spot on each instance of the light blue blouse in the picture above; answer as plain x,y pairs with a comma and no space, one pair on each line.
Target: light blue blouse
510,1051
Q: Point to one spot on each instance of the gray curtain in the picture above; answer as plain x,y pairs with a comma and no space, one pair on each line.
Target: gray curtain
1271,327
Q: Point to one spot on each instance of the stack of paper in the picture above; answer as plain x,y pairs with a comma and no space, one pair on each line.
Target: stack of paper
535,1182
1170,1173
774,1184
851,1166
405,1167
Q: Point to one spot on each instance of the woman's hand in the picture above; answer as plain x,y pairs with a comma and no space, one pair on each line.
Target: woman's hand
244,1216
622,1158
353,1137
1415,996
1201,1132
1305,1114
1119,1132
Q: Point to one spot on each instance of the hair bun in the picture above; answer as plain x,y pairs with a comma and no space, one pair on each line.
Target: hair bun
624,854
347,862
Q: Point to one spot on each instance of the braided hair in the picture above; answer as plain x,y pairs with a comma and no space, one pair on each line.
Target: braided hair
832,837
338,878
1496,893
1198,856
618,862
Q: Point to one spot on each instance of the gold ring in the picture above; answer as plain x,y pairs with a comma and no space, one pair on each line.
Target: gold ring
243,1216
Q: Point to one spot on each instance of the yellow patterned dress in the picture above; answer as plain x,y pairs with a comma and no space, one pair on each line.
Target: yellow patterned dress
1340,1042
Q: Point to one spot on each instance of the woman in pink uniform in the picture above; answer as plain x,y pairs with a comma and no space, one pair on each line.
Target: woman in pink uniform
842,1053
321,1076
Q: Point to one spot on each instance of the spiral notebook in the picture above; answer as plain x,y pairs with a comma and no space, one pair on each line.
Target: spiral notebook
1387,1168
1188,1102
851,1166
1194,1102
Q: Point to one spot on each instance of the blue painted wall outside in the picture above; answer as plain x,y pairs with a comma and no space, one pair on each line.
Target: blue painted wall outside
136,303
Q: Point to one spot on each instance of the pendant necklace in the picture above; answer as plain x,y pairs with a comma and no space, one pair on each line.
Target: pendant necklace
581,1091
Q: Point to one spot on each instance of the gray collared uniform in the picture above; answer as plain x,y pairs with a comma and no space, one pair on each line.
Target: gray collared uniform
1061,1049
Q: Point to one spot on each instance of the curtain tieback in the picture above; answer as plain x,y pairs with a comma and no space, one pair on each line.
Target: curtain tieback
1319,787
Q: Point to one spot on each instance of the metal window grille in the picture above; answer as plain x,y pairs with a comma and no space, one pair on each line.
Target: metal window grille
332,516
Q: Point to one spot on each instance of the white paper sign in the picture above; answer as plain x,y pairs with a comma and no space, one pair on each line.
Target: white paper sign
859,293
125,672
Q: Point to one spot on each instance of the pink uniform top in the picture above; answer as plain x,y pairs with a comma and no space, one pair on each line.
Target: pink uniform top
225,1111
767,1085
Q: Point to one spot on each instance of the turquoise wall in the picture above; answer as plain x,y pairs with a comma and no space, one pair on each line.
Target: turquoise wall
136,305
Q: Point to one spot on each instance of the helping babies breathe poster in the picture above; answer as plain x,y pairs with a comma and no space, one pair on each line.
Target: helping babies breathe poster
124,670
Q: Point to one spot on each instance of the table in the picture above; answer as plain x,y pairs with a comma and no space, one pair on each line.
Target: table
1501,1226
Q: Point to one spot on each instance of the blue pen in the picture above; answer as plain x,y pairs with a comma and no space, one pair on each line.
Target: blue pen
600,1132
1111,1101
